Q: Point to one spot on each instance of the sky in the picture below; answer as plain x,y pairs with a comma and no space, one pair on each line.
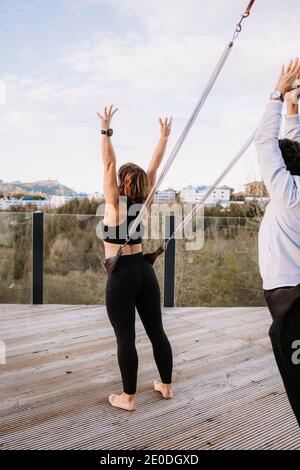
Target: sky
61,61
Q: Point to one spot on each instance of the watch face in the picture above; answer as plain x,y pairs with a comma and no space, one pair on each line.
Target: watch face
109,132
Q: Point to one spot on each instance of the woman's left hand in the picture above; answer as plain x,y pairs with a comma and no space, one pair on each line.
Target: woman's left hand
107,116
165,127
292,97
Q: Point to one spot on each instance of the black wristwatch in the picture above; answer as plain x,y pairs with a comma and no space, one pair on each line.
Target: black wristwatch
109,132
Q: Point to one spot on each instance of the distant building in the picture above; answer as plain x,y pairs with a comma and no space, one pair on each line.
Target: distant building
51,201
238,197
95,195
165,196
256,189
69,198
259,201
57,201
229,188
194,195
6,203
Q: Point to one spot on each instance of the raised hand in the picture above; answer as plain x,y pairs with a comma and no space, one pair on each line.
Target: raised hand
293,96
165,127
288,75
107,116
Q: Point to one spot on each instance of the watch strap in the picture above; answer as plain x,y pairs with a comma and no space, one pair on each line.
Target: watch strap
108,132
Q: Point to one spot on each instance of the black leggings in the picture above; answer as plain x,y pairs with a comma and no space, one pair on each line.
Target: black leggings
284,330
134,284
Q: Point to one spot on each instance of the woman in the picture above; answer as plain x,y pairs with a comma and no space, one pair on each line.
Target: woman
133,283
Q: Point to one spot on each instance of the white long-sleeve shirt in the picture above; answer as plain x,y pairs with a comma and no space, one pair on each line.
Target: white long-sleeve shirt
279,234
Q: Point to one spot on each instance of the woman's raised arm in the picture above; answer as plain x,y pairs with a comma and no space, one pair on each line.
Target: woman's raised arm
165,130
110,184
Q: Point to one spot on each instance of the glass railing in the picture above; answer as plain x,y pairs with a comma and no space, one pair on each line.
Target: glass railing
15,257
222,271
72,268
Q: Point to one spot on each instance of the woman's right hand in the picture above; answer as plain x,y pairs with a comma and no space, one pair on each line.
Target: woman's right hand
107,116
287,76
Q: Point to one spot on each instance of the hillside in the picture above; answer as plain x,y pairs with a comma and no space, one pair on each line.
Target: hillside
44,187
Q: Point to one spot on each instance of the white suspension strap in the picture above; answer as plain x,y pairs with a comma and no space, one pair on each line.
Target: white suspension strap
190,122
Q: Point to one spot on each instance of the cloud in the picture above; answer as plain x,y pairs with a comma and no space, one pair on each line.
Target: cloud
161,63
175,61
174,16
158,67
8,7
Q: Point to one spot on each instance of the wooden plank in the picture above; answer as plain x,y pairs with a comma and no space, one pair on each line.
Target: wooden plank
228,393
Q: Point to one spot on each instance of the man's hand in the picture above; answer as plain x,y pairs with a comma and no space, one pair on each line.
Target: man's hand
107,116
292,97
165,127
287,76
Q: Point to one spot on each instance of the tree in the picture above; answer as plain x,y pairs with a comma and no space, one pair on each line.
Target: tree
63,257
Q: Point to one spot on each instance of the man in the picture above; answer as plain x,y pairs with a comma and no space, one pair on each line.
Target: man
279,234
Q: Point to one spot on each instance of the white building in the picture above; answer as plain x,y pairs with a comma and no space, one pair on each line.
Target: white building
6,203
96,195
165,196
52,201
195,194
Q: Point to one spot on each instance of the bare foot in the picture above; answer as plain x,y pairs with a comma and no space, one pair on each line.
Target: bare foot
164,389
123,401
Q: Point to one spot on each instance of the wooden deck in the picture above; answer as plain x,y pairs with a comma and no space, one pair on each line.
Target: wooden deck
61,366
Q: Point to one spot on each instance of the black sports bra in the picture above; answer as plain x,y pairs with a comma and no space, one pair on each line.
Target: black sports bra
118,233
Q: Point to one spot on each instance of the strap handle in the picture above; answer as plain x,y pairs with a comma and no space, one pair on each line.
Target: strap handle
248,9
238,27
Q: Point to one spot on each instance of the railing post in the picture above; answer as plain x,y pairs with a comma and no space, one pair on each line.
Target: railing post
169,271
37,257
